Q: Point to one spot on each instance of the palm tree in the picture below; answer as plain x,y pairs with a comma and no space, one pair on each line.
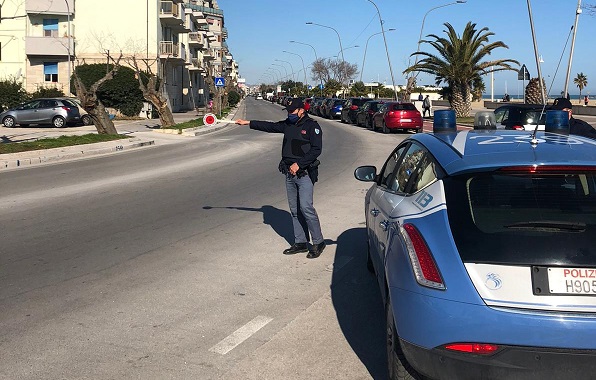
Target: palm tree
581,81
458,62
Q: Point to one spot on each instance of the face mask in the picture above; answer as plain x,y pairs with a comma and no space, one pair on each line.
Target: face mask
293,118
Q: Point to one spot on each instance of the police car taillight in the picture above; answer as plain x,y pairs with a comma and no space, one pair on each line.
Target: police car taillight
518,127
473,348
424,266
354,108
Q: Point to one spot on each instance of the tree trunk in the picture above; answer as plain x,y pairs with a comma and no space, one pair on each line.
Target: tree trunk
461,100
158,100
411,83
154,94
94,106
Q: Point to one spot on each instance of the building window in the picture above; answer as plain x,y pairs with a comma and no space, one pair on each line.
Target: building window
50,71
50,27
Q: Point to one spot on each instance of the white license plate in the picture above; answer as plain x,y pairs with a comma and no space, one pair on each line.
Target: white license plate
406,120
580,281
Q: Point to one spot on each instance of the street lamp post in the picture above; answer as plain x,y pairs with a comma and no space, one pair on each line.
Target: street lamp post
411,82
286,70
340,46
366,47
303,68
578,11
386,49
291,67
68,43
273,73
316,59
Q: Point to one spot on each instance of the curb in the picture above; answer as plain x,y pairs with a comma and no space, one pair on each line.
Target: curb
37,157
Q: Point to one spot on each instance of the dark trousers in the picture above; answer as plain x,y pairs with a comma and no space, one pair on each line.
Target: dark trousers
304,216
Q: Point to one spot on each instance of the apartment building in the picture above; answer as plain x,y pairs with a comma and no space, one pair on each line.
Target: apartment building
183,42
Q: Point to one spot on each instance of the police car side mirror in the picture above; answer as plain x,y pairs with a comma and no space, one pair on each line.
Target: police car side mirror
366,173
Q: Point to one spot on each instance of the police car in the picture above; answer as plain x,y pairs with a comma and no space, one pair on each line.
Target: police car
483,245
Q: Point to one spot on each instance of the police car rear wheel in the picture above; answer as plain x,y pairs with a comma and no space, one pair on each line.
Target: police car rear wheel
398,367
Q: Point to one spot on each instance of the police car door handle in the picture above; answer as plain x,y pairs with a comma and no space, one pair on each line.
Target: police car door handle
384,225
374,212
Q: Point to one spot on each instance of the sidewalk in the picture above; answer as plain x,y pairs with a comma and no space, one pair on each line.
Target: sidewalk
137,139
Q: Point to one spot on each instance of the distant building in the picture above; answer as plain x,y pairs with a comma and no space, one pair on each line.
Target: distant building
183,42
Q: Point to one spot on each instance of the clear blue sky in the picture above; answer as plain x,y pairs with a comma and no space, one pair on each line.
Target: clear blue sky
259,31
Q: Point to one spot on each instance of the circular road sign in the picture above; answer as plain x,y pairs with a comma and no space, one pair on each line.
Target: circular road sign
209,119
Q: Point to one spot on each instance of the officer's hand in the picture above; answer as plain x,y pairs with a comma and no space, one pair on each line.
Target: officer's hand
294,168
242,122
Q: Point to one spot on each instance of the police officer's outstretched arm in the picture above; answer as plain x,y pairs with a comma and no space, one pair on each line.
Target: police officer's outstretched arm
265,126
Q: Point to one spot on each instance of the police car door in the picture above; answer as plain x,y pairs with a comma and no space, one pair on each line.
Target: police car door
382,202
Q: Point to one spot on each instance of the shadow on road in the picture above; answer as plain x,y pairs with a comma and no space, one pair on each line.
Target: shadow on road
357,302
279,220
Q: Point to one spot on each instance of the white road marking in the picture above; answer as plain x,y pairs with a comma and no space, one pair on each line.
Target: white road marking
240,335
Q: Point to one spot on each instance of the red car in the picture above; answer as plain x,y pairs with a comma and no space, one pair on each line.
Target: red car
397,115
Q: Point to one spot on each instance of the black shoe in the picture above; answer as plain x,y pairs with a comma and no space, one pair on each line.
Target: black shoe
315,250
296,248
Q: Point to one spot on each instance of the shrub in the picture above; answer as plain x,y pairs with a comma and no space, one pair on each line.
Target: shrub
233,98
12,93
122,92
48,92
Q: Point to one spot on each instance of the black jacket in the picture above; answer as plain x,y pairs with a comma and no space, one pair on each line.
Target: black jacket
303,141
581,128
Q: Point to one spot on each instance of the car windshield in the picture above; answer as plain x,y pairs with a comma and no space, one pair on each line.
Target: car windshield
403,107
532,116
69,103
525,219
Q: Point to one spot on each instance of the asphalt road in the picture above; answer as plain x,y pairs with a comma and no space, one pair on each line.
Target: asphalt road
166,262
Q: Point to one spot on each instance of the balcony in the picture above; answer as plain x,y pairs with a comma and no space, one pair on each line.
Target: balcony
224,32
196,39
49,46
172,50
207,10
211,36
173,15
196,65
200,18
47,7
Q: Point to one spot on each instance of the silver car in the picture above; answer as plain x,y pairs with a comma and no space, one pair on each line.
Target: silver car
57,112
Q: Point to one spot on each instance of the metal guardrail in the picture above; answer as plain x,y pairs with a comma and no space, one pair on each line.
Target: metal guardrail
211,11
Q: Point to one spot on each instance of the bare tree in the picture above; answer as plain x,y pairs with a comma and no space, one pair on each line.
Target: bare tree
320,70
91,103
153,92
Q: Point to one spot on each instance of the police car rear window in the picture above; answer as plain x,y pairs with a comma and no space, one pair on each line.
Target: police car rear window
525,219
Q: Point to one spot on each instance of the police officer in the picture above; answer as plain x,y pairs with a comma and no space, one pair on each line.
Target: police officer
576,126
302,144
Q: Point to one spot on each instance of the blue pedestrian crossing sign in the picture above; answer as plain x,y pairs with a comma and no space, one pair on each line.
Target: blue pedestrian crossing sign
220,82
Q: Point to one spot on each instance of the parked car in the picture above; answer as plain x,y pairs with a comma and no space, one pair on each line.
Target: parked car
335,108
85,118
483,250
351,108
397,116
316,106
58,112
521,116
326,106
366,112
